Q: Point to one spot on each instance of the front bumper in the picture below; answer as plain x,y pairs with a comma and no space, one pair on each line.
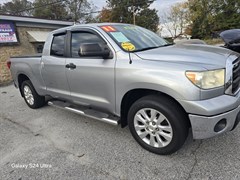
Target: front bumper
206,114
205,127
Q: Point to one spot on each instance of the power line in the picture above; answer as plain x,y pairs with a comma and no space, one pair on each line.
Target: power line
47,4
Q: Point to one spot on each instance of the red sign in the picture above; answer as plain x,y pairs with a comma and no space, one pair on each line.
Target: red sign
108,28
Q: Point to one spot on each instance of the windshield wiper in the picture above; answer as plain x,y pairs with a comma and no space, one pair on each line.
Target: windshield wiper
154,47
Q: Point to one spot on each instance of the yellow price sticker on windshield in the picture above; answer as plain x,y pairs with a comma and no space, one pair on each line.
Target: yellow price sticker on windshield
128,46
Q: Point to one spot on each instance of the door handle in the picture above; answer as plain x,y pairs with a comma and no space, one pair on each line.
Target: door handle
71,66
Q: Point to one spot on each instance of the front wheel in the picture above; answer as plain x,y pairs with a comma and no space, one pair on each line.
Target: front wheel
158,124
30,95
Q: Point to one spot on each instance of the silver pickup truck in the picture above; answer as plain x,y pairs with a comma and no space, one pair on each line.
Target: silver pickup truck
125,74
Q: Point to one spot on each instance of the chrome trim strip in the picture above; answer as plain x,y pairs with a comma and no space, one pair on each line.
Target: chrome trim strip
229,75
106,120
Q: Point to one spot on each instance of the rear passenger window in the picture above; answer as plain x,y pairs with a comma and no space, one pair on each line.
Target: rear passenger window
83,37
57,48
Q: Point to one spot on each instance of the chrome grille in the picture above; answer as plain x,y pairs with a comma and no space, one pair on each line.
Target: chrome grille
236,76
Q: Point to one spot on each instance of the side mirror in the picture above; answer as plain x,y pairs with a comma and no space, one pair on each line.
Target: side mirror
93,50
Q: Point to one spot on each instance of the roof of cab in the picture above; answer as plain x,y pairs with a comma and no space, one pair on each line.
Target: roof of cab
96,25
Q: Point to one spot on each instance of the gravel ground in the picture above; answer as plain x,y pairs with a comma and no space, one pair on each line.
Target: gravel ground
50,143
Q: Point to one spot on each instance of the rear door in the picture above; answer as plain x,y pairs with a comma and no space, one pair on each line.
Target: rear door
91,82
53,68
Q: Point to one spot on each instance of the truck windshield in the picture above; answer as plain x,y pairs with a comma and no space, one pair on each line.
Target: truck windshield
134,38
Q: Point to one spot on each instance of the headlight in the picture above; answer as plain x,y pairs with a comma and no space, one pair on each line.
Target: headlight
207,79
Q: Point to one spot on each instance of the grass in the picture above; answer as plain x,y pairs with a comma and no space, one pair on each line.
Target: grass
214,41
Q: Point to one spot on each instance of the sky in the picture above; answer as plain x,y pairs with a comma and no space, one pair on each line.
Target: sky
160,5
164,5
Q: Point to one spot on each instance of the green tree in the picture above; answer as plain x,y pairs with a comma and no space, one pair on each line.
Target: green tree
227,15
17,7
130,11
105,15
201,16
148,18
209,16
50,9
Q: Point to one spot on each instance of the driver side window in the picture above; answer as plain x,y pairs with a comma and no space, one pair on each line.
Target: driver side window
83,37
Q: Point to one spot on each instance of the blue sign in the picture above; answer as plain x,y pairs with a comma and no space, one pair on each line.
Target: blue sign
7,32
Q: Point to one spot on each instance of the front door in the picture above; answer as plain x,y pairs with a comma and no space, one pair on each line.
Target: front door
91,79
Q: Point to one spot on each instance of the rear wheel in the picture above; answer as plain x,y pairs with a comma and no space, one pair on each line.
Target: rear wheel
158,124
30,95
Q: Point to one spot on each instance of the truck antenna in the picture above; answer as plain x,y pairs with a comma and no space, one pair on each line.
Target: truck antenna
130,58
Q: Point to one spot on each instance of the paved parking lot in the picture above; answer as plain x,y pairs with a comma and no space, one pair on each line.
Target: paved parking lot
49,143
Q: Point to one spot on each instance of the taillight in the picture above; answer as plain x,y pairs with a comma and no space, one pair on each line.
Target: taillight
9,64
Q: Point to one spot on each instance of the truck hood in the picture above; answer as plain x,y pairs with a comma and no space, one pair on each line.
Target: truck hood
204,55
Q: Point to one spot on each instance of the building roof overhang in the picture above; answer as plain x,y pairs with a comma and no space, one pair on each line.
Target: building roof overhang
24,19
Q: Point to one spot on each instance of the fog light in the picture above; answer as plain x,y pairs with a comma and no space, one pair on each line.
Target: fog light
220,125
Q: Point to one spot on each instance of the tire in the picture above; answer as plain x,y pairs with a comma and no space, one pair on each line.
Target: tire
158,124
30,95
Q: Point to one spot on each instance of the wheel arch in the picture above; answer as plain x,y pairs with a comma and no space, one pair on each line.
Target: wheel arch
133,95
21,79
